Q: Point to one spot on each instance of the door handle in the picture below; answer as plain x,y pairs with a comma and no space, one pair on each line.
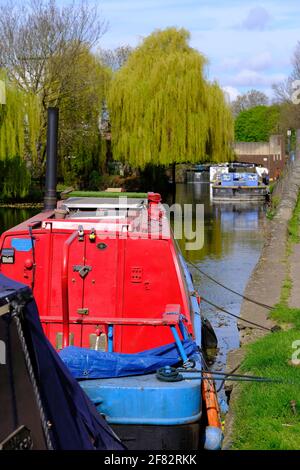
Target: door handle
82,270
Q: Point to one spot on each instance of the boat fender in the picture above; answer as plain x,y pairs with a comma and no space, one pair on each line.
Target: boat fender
209,338
213,438
168,374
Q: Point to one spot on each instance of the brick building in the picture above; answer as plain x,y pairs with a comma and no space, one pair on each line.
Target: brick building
268,154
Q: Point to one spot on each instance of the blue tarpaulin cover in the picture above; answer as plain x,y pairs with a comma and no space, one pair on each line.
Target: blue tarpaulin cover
90,364
76,424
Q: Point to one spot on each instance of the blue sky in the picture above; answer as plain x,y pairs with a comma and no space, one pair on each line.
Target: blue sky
249,44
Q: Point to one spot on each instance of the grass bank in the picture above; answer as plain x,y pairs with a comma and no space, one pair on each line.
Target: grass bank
264,417
267,415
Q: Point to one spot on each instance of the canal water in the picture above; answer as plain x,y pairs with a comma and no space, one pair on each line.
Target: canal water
233,239
9,217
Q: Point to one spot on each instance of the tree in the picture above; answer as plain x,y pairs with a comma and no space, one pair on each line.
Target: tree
115,58
285,94
19,130
39,41
40,45
249,100
220,125
162,109
19,123
257,124
81,148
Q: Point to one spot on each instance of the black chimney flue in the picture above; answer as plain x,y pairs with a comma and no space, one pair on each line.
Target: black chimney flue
50,199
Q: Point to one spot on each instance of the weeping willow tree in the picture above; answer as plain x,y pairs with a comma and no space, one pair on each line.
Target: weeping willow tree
162,108
220,124
19,123
19,129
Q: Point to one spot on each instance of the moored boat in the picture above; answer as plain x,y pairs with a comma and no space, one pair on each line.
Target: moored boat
117,298
117,301
239,187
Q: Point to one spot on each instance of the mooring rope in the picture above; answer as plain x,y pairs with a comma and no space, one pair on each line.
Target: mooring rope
272,330
248,299
231,376
16,311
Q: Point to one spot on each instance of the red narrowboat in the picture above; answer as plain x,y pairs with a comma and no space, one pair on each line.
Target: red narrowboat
117,301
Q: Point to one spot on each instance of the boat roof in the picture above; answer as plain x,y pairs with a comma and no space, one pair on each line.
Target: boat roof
140,215
121,202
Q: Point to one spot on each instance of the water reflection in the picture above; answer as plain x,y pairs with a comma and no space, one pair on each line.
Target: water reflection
9,217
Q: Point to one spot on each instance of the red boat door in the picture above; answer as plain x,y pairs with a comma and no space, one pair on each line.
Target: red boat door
99,297
65,288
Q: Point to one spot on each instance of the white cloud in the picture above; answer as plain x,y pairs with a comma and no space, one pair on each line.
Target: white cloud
231,92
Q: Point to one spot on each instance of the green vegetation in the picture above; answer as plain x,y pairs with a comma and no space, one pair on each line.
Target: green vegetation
19,130
19,122
257,124
293,227
284,314
264,415
23,126
81,148
264,418
271,211
162,108
14,179
272,187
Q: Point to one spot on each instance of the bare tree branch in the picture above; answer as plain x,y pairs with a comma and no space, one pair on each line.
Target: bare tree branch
249,100
39,41
115,58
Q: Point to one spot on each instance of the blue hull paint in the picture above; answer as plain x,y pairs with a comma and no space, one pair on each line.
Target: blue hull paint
146,400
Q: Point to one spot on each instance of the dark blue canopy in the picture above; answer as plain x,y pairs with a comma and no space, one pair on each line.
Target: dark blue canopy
76,424
89,364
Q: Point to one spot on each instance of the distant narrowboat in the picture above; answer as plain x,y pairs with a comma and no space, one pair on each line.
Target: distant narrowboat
239,187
